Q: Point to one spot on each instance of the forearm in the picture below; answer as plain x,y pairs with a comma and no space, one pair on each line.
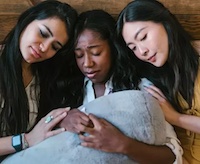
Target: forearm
144,153
6,146
188,122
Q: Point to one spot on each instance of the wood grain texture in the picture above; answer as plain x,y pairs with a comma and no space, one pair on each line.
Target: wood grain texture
186,11
9,13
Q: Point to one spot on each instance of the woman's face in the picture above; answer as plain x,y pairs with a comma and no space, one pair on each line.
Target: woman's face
93,56
148,41
41,39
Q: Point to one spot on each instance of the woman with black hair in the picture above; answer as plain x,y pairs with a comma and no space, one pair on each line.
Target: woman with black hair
33,48
166,55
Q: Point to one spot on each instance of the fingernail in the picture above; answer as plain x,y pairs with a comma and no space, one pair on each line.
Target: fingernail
67,108
62,129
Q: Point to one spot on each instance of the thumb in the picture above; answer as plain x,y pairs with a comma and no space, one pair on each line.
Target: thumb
95,120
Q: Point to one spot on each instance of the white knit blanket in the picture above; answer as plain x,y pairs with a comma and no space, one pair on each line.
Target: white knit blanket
135,113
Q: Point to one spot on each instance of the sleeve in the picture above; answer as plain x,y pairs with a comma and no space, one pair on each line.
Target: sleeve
173,143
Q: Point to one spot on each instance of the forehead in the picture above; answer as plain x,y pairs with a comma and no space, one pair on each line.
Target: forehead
137,25
88,37
131,29
56,26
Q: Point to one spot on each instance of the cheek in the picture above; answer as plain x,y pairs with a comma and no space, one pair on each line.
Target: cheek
51,54
137,54
22,41
164,59
107,67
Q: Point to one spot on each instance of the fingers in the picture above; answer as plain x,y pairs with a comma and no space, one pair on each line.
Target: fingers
88,138
79,128
59,111
56,120
155,92
54,117
88,141
88,144
55,132
95,120
55,113
75,121
95,125
43,129
79,114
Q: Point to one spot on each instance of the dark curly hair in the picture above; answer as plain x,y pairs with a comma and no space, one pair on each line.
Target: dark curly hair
123,72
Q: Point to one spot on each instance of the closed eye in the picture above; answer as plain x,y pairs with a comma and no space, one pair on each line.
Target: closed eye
98,54
44,34
132,48
56,48
145,36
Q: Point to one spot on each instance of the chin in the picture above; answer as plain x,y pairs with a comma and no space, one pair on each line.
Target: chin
157,64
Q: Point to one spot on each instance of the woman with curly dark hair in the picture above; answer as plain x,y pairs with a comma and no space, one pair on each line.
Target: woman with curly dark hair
107,66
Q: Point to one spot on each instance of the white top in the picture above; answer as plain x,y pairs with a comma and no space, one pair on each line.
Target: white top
172,141
89,93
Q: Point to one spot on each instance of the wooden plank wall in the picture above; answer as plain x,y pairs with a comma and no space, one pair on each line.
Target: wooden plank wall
187,11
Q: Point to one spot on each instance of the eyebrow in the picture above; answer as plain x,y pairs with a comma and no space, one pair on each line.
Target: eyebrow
136,35
48,29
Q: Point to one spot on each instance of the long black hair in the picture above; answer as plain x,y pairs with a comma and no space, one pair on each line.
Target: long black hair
178,75
123,71
14,111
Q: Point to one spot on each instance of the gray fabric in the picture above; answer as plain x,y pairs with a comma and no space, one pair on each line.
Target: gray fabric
135,113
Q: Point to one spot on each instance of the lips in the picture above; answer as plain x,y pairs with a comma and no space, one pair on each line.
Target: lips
35,53
91,74
152,58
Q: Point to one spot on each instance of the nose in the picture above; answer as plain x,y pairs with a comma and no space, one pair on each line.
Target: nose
44,46
143,50
88,62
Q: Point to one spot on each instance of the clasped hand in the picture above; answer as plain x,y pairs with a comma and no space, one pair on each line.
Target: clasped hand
101,134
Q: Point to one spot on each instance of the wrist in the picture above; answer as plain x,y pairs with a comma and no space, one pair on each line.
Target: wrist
17,142
124,146
177,119
29,139
25,144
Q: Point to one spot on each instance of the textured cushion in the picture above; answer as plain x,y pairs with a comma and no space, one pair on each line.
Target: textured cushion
135,113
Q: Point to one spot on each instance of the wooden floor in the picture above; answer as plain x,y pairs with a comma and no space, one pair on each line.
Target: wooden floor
187,11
